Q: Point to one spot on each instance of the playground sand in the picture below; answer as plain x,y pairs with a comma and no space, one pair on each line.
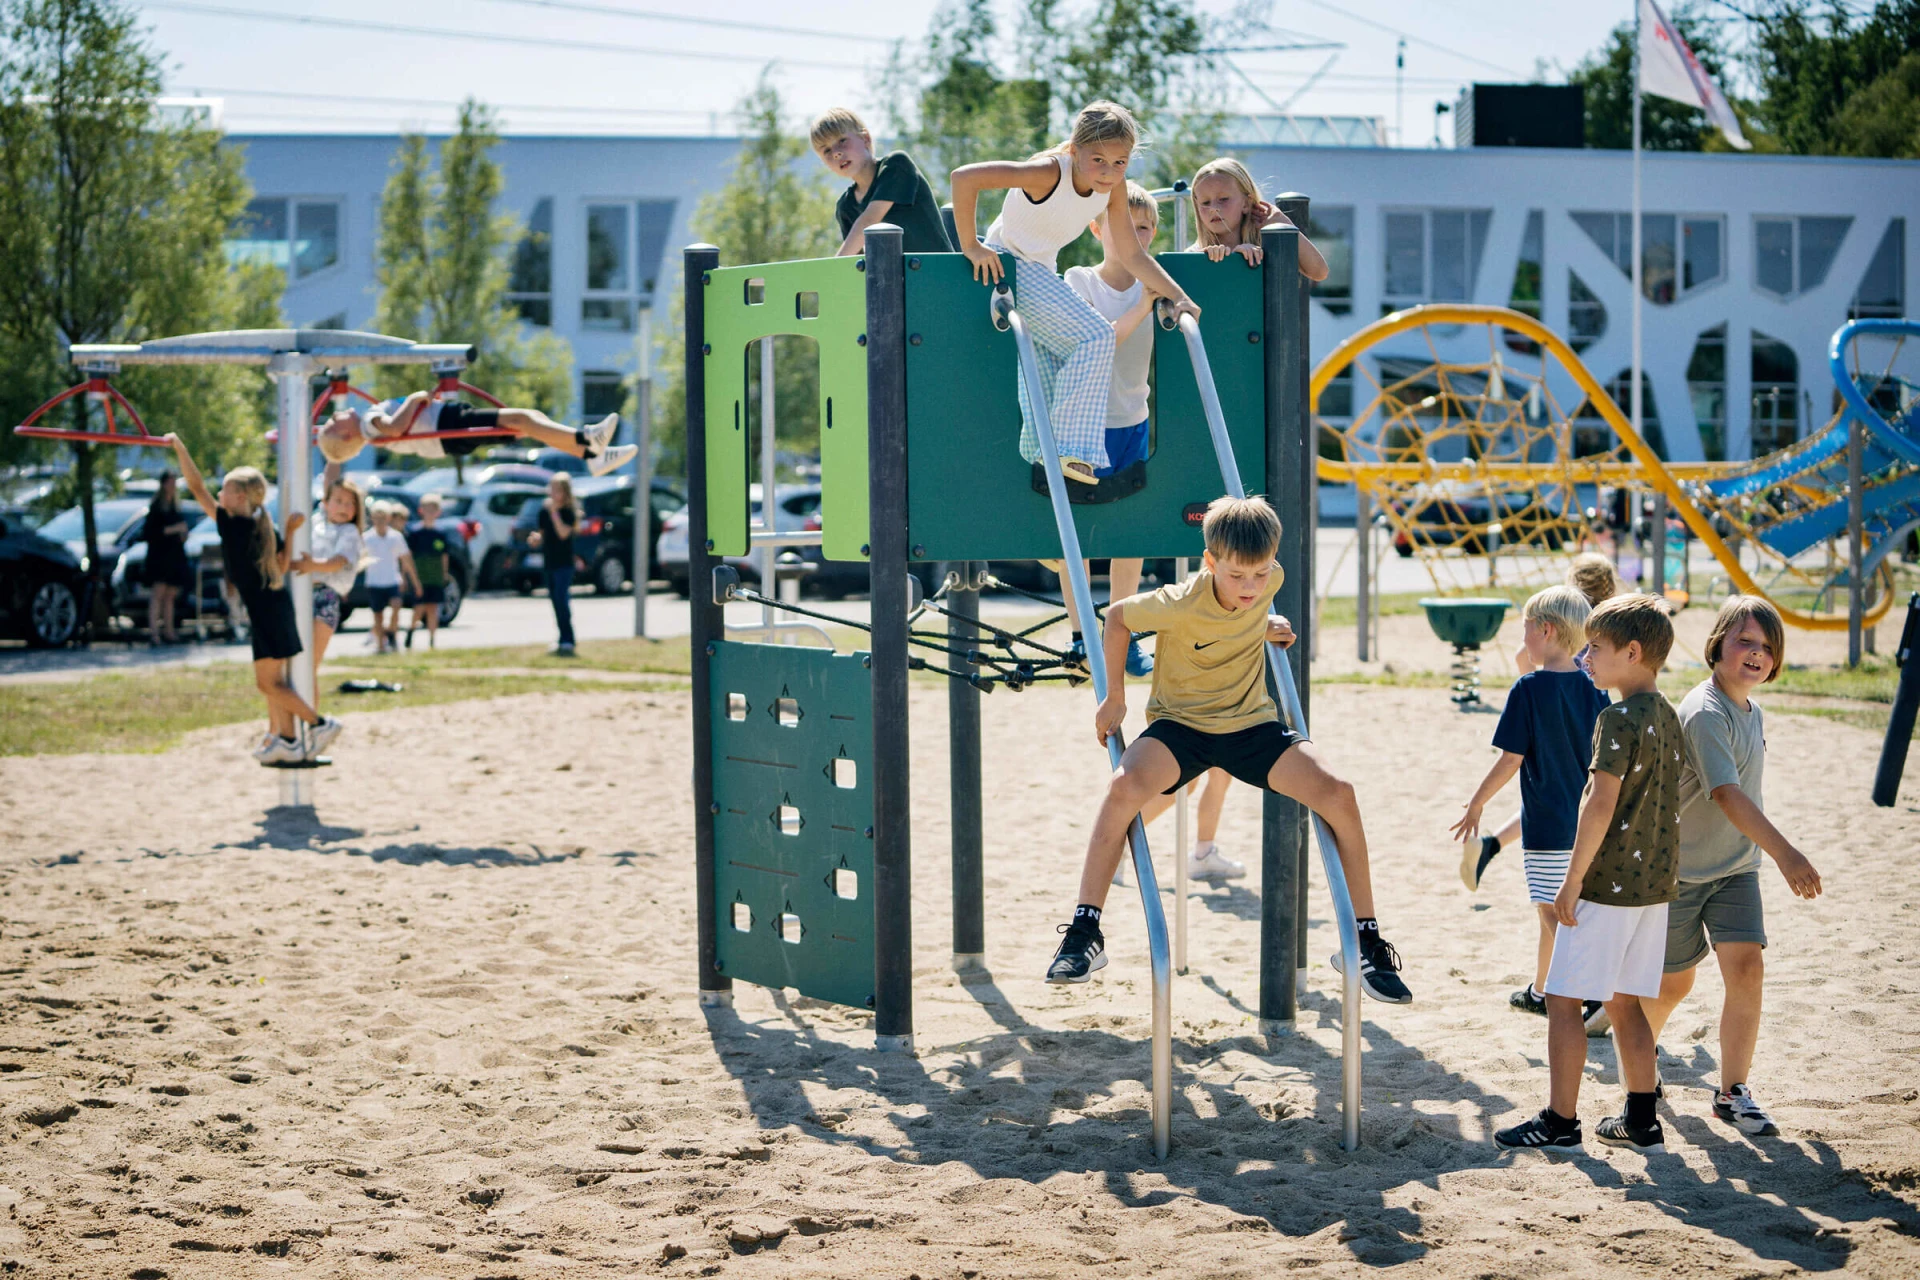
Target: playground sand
447,1028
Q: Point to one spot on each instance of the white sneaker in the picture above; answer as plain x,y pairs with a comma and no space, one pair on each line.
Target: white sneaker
282,751
321,736
1737,1107
1214,865
262,747
613,459
600,434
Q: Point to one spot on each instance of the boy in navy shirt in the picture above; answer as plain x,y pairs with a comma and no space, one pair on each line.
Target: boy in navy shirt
888,188
1545,735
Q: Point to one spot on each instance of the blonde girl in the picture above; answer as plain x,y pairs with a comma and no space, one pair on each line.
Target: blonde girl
338,548
1228,214
1051,198
255,559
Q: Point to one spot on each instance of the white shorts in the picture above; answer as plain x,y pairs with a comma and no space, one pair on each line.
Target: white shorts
1610,951
1546,872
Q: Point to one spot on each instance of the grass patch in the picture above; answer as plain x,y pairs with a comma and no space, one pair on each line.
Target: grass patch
144,713
664,657
1390,679
1872,719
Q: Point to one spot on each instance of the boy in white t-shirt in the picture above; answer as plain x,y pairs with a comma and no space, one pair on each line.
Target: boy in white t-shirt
387,561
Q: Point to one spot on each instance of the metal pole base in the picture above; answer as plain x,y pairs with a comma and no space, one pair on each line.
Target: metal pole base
969,962
1277,1028
894,1044
716,999
296,789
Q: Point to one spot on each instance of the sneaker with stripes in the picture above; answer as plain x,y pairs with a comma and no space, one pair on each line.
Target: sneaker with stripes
1737,1107
1379,971
1543,1130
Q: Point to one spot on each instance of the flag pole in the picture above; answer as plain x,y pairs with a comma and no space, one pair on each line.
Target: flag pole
1634,394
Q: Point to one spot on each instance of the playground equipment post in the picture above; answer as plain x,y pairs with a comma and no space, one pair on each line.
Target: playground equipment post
1856,541
291,373
964,790
643,474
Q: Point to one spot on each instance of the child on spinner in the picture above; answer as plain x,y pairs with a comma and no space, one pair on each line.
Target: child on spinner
1228,214
1723,830
339,523
890,188
1210,707
1050,200
1592,575
1545,735
1612,906
396,425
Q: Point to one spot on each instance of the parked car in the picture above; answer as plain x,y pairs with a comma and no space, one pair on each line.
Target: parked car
493,507
453,518
43,588
797,508
1456,514
605,541
116,521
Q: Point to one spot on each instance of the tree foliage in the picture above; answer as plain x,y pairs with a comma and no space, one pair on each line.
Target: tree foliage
1606,75
1833,85
113,219
443,263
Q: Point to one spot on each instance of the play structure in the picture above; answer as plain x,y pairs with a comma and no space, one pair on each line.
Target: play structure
801,773
293,358
1484,442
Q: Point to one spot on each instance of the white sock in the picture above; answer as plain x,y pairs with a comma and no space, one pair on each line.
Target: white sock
1201,848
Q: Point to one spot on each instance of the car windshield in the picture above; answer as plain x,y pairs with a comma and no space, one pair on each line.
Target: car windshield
109,518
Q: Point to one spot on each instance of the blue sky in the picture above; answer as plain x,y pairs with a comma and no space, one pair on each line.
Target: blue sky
567,66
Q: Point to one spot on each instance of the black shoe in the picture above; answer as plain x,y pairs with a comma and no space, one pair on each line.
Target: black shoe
1537,1132
1737,1107
409,637
1616,1132
1379,972
1527,1000
1081,952
1076,659
1473,861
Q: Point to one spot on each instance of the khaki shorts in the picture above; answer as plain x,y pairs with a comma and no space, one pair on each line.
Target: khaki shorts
1727,910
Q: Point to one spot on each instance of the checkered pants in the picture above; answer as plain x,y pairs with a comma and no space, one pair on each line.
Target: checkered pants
1073,345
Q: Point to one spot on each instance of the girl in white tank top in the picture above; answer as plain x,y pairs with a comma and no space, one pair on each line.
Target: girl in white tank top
1051,200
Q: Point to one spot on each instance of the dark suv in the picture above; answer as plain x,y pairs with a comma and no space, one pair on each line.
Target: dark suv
604,543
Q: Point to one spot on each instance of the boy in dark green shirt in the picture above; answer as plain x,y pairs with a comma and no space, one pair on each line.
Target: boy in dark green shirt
889,188
428,544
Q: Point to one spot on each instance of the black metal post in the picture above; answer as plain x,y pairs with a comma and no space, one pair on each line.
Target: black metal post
1906,704
886,340
963,752
1295,206
1283,828
707,619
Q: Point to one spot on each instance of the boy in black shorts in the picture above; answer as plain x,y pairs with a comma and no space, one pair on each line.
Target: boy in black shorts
1210,707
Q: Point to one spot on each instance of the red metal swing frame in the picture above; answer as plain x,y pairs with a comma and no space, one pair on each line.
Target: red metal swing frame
96,384
450,384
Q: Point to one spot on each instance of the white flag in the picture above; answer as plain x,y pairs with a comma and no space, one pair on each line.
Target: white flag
1668,69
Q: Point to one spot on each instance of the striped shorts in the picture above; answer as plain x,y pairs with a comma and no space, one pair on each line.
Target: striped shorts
1073,345
1546,872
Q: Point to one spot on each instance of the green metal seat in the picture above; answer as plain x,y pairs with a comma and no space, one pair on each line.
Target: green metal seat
1466,624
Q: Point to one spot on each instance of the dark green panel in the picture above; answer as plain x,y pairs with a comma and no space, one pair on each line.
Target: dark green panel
760,765
969,492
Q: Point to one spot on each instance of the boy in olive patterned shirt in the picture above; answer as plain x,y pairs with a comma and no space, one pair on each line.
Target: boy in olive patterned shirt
1612,907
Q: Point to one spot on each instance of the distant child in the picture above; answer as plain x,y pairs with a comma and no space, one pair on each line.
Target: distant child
1050,200
254,559
888,189
417,425
1722,832
1545,735
1592,575
1210,707
427,544
389,568
1612,907
1125,302
1228,214
334,560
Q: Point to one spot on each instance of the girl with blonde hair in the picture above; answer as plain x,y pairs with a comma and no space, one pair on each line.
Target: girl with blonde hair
338,549
256,565
1051,199
1228,213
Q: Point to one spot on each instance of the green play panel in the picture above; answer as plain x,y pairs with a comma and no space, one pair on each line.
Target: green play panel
793,831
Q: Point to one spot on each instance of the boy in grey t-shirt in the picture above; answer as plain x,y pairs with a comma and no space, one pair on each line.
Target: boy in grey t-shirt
1722,833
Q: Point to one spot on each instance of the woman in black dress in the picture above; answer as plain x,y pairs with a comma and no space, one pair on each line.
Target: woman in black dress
167,576
255,559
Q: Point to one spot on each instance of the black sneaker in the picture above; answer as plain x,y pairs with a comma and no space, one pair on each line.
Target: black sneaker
1474,857
1076,659
1737,1107
1527,1000
1379,972
1616,1132
1081,952
1537,1132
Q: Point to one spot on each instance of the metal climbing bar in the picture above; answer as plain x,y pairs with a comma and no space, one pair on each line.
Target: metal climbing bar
1006,316
1290,707
95,385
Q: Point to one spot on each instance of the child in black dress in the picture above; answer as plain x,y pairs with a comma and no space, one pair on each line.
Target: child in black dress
256,558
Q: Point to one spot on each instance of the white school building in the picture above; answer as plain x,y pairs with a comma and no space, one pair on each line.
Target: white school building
1750,262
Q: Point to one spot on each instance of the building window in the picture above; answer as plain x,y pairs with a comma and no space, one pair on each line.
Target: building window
1792,255
1433,255
625,242
301,237
1336,399
602,392
530,286
1707,388
1883,291
1776,394
1331,230
1678,254
1593,434
1586,314
1524,297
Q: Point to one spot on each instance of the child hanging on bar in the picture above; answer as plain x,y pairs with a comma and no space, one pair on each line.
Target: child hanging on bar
428,428
1210,706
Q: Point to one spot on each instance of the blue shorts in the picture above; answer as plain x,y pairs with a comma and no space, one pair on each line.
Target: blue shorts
1125,446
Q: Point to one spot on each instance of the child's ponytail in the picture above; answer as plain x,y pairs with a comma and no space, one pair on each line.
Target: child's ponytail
266,538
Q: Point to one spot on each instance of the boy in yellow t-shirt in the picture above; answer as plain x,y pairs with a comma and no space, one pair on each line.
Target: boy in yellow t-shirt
1210,707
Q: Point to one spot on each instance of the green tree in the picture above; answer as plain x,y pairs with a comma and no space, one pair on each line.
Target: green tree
1883,119
443,262
1607,77
1812,69
113,218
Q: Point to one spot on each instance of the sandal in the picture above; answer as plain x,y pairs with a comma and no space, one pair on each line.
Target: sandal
1075,469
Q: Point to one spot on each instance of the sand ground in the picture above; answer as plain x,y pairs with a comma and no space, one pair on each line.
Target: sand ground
444,1025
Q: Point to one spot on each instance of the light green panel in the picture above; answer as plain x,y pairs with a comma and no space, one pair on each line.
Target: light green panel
840,285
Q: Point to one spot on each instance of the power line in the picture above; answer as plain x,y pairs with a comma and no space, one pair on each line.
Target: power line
454,33
545,108
1350,16
653,15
